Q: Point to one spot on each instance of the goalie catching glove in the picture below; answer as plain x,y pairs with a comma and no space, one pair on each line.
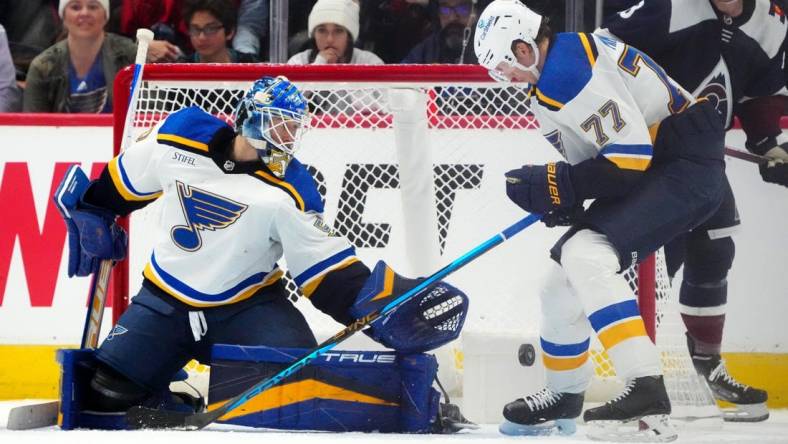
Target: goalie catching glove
425,322
93,234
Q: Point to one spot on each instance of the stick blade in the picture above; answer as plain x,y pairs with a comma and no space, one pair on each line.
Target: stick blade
146,418
33,416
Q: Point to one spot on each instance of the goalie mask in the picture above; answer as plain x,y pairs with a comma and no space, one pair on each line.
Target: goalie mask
500,24
273,116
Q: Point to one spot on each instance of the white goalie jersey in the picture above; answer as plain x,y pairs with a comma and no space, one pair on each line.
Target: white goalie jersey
224,225
598,95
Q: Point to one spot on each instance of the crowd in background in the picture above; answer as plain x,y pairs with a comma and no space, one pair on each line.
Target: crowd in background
62,55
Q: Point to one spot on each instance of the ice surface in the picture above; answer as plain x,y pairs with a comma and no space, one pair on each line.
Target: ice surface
774,430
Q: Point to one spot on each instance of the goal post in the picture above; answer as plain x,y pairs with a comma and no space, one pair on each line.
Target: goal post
409,160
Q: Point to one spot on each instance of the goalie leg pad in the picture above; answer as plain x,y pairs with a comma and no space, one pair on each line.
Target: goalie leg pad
338,391
422,323
93,396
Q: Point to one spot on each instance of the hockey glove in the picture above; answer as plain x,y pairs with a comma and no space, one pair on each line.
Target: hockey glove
93,234
427,321
775,171
541,188
770,147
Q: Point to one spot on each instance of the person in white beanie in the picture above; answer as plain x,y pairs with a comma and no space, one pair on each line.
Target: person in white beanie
75,75
333,28
93,6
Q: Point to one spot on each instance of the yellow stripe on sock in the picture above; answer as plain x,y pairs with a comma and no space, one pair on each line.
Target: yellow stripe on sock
620,332
563,364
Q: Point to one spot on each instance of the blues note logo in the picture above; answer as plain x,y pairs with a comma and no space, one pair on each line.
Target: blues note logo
203,211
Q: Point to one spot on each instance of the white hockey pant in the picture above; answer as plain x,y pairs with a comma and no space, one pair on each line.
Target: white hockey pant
584,295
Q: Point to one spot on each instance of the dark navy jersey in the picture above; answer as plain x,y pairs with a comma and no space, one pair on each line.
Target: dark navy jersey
725,59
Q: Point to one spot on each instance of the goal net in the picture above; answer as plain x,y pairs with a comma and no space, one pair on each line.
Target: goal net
409,161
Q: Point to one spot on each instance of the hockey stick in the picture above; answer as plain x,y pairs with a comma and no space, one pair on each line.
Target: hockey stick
745,155
143,417
96,303
45,414
98,286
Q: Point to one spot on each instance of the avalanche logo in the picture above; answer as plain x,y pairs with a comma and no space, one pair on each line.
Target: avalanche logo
203,211
716,93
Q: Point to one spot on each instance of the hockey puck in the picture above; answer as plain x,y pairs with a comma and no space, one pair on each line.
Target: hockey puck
526,354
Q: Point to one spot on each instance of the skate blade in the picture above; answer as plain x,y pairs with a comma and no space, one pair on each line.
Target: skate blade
563,427
653,428
746,413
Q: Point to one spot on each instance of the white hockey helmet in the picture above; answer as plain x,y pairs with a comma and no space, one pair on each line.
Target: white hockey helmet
501,23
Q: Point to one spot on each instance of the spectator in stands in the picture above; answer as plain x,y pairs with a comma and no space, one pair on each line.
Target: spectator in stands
410,20
31,26
453,42
250,36
333,28
9,92
163,17
212,25
75,75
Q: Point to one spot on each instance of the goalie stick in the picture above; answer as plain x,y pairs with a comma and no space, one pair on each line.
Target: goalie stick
45,414
143,417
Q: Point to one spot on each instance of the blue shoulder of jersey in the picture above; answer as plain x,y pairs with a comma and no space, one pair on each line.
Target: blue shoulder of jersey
299,177
190,129
567,69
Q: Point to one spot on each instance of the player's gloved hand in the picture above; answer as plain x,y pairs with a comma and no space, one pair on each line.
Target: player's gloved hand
779,152
93,234
563,217
541,188
775,171
424,322
770,147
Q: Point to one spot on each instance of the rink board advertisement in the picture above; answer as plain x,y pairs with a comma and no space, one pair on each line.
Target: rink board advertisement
41,309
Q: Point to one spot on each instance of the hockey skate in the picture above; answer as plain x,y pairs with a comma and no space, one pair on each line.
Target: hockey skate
544,413
640,413
749,403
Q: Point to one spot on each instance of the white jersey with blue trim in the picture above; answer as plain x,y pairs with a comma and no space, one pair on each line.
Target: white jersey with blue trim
597,96
224,225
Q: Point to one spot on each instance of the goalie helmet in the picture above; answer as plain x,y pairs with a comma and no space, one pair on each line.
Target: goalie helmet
501,23
273,117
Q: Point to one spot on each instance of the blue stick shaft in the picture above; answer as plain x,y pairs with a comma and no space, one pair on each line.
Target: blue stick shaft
438,275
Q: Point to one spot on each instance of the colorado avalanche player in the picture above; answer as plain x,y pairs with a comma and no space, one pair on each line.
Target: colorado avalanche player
731,52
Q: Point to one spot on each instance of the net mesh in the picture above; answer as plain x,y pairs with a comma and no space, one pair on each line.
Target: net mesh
360,114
